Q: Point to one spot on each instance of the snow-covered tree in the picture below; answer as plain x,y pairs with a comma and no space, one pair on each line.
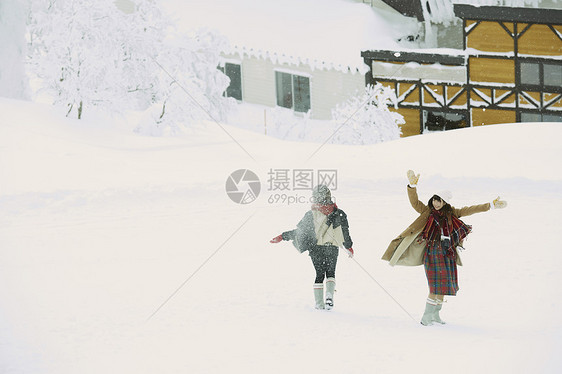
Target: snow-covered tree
77,52
13,79
144,37
286,125
366,119
188,87
93,54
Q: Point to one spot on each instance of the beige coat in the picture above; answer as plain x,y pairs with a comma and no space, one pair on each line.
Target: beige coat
409,248
326,233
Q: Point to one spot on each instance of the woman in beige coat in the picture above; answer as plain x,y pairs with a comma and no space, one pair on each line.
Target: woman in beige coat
433,240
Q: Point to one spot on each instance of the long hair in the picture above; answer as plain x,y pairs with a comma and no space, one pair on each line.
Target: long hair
446,210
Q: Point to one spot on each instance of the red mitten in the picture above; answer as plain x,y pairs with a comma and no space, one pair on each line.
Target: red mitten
277,239
350,252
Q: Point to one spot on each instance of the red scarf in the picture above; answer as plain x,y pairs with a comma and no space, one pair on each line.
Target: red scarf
438,224
324,209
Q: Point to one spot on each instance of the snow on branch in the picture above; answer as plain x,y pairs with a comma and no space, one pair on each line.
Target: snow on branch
366,119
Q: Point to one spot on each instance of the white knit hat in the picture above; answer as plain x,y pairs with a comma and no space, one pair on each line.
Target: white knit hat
446,195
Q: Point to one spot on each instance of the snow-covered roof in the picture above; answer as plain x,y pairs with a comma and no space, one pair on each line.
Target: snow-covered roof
441,11
324,34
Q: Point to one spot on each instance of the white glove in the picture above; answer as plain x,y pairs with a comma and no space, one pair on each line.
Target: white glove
412,178
498,204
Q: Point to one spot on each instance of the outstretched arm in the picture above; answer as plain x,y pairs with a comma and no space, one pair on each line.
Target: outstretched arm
468,210
289,235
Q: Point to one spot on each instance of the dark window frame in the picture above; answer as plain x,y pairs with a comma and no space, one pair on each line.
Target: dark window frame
234,72
292,91
542,85
435,120
524,113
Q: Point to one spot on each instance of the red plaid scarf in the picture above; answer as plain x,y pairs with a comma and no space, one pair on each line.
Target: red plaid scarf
325,209
438,224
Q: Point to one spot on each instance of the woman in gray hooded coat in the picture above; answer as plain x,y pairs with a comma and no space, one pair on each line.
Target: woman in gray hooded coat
322,230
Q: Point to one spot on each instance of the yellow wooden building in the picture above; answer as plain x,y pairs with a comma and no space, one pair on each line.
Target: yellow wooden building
509,70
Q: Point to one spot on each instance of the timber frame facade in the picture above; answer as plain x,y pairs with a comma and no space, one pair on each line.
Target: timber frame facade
510,70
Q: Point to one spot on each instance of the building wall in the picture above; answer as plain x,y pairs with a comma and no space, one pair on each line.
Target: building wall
496,94
423,87
258,82
449,36
412,119
327,87
330,88
417,71
491,70
483,116
488,88
540,40
489,36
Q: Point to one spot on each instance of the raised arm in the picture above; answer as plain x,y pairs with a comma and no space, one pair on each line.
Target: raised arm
413,192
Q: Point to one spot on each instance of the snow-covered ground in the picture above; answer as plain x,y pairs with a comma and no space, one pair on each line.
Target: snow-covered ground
123,254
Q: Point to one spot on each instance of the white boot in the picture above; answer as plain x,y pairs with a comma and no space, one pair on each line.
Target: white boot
430,310
436,317
330,289
319,295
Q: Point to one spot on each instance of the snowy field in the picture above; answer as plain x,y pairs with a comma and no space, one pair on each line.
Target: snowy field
123,254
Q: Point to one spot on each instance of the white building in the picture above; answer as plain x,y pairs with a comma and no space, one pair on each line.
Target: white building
299,54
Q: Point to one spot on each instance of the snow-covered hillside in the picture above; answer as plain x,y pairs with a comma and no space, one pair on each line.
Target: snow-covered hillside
123,254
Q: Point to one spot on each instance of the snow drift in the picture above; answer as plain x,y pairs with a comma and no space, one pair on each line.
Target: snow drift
100,227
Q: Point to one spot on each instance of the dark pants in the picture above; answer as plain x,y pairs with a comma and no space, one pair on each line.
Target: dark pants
324,259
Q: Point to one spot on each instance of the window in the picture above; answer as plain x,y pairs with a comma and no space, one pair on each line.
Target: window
530,73
553,74
439,121
283,82
540,117
542,74
551,117
531,117
233,71
293,91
